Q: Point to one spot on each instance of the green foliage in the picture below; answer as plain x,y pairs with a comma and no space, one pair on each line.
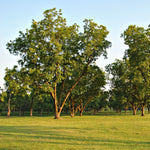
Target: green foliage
138,55
3,96
88,88
100,102
119,96
130,78
51,51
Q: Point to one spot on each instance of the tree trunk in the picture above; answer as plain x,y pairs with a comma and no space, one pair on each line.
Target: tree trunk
134,110
8,113
142,109
77,108
81,112
54,95
71,107
20,111
148,110
1,112
31,108
31,111
41,113
57,115
72,114
126,108
61,93
95,111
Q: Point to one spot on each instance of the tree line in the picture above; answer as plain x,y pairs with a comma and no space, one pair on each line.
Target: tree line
130,77
57,69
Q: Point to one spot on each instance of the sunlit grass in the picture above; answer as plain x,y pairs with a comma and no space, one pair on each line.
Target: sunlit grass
108,131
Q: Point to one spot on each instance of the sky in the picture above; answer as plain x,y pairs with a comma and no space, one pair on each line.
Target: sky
116,15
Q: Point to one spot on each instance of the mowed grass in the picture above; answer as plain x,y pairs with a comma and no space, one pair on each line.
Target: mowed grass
106,132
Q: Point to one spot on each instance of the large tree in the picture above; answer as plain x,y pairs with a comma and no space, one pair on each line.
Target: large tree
51,49
138,54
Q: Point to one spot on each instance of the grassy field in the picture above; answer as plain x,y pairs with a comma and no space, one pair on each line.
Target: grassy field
105,131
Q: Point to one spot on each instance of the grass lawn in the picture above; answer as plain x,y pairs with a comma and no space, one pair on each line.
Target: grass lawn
110,132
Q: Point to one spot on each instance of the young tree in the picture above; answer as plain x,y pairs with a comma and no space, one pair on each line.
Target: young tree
50,49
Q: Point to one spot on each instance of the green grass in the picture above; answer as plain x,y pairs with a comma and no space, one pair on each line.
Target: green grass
110,132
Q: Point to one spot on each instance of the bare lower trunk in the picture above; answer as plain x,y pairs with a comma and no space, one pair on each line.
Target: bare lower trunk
81,112
126,108
1,112
41,113
81,108
72,114
57,115
19,113
54,94
77,108
61,93
31,111
58,112
71,107
8,113
142,110
31,108
134,110
148,110
95,111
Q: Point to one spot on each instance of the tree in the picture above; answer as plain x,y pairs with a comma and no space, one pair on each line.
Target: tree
51,49
119,95
88,89
99,102
16,84
43,103
10,78
3,96
138,54
148,106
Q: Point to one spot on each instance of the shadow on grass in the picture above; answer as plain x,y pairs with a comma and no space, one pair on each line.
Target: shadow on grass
59,135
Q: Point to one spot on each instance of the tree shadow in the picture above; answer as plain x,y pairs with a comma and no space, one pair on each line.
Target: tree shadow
57,135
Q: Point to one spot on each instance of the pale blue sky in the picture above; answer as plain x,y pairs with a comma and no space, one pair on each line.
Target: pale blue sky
116,15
